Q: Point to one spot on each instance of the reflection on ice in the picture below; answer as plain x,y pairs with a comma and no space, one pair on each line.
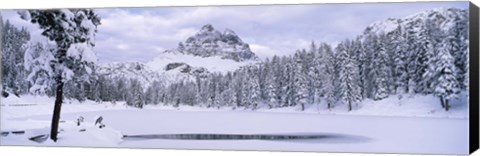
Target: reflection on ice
293,137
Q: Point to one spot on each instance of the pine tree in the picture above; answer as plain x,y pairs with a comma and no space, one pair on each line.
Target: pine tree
436,36
270,92
287,89
314,75
37,64
255,91
229,93
350,91
381,71
447,86
73,32
327,71
358,53
424,49
459,48
400,60
300,93
368,72
13,50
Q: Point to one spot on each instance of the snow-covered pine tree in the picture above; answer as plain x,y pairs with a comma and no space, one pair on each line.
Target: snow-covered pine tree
245,88
212,91
187,93
198,89
423,50
121,89
229,93
254,89
459,47
299,86
218,90
204,92
149,95
287,81
358,53
314,83
400,73
368,68
270,92
349,89
262,71
158,91
103,89
277,74
94,90
238,88
135,94
37,59
410,32
446,87
436,39
73,31
390,47
327,71
13,50
381,70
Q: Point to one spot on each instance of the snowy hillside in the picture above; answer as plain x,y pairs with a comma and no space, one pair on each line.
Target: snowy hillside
443,17
129,70
176,66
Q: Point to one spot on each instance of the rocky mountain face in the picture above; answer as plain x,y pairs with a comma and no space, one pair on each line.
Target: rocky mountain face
210,42
446,18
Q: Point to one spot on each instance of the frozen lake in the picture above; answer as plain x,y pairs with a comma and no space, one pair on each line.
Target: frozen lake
246,130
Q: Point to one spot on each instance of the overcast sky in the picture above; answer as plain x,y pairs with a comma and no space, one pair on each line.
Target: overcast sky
140,34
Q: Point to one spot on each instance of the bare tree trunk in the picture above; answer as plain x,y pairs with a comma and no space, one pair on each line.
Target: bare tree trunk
446,105
349,105
442,102
56,109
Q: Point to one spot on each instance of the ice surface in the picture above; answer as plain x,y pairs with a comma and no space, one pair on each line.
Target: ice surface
436,133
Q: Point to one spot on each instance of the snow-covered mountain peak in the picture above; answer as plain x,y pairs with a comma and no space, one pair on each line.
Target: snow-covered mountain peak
444,17
207,28
208,42
208,51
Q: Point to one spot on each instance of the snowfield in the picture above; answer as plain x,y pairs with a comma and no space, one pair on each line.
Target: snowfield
406,131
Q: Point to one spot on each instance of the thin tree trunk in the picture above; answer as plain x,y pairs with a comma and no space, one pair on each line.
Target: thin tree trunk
56,109
349,105
446,105
442,102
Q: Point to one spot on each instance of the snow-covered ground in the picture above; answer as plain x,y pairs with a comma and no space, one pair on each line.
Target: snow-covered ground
405,130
